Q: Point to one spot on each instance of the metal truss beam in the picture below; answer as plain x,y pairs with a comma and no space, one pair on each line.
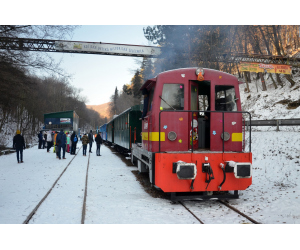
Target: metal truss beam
27,44
63,46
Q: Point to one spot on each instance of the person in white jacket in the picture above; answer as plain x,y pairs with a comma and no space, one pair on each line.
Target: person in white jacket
49,141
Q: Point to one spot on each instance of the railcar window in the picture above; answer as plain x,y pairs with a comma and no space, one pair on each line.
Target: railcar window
172,97
225,98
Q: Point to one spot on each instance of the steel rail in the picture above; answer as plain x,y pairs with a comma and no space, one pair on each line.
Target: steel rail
239,212
46,195
85,193
180,202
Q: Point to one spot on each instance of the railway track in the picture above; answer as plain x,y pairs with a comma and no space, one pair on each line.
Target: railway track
83,212
239,212
225,204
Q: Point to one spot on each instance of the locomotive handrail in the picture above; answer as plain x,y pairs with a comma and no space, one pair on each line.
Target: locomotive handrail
205,111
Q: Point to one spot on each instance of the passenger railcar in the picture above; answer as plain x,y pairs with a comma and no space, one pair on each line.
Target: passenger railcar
103,132
125,129
193,142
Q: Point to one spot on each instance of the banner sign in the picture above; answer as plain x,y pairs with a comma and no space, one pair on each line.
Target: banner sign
107,48
65,120
269,68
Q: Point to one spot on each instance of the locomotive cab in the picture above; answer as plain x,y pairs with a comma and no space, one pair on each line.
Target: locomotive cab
192,128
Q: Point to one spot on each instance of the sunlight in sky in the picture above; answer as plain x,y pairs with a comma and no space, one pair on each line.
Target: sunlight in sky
98,75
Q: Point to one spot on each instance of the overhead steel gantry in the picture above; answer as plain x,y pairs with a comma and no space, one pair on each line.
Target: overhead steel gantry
44,45
27,44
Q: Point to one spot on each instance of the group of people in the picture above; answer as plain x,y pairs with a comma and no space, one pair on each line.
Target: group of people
89,139
62,141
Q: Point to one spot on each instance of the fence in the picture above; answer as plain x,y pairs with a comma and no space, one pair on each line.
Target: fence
277,123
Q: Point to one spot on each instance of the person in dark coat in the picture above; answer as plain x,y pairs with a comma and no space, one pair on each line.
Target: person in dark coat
74,140
61,140
44,140
99,142
40,136
91,140
19,145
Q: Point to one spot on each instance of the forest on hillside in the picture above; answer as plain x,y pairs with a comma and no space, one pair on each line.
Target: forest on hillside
196,45
25,96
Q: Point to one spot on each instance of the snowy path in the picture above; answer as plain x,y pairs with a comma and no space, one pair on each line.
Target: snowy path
114,196
64,203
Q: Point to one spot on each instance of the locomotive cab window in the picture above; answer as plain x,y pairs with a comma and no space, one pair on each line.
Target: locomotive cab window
150,99
225,98
172,97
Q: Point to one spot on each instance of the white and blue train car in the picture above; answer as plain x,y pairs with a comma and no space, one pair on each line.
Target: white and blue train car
103,132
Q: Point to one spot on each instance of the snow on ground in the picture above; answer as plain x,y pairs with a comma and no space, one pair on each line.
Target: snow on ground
115,196
263,105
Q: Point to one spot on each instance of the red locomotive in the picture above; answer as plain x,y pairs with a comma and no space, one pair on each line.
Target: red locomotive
193,143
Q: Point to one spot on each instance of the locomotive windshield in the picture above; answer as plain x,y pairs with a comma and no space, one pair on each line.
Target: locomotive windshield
172,97
225,98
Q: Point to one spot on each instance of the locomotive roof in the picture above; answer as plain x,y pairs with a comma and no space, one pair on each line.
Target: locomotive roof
153,80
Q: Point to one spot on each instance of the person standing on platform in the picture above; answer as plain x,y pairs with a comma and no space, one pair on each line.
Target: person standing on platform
61,140
19,145
40,136
99,142
91,140
68,142
44,139
49,141
55,150
85,141
74,140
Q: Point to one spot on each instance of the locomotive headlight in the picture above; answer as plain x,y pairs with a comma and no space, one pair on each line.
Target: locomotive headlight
172,136
200,70
241,169
225,136
185,171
